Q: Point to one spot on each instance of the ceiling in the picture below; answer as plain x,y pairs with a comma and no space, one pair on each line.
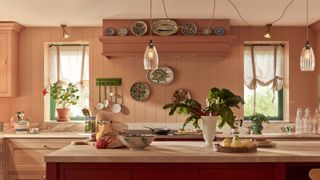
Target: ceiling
91,12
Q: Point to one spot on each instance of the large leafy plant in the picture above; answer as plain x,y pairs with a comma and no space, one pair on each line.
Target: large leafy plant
258,118
219,103
64,96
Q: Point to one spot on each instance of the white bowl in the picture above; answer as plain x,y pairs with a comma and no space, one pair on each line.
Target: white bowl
137,141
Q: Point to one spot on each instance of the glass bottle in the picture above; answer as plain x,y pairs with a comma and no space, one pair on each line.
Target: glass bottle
316,120
298,124
307,122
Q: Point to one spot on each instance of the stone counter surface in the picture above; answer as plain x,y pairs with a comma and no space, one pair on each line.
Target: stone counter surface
188,152
58,135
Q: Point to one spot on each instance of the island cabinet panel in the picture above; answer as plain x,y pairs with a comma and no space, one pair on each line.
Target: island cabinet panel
160,171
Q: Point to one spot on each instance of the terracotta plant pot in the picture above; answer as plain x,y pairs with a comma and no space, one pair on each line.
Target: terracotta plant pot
63,114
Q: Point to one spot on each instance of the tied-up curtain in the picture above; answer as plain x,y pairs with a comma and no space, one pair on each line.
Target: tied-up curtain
69,64
263,65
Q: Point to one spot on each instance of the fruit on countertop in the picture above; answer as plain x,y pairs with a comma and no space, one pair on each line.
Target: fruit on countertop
236,143
101,143
249,144
226,142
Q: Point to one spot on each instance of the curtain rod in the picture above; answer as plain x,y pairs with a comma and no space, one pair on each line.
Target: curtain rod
264,45
68,45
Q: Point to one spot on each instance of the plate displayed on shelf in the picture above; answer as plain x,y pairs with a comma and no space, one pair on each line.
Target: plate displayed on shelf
164,27
161,76
181,95
206,31
110,31
219,31
189,29
122,32
139,28
140,91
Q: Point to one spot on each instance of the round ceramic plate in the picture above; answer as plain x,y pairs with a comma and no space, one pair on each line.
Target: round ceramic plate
219,31
189,29
122,32
161,76
140,91
139,28
164,27
110,31
207,31
181,95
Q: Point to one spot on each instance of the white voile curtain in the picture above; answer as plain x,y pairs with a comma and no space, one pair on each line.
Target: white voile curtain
70,64
263,65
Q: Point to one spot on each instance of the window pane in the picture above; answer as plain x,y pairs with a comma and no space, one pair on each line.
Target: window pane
264,103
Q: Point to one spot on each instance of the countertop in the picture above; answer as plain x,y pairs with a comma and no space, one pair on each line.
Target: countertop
62,135
187,151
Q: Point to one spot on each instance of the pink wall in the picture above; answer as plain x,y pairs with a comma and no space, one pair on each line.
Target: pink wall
197,74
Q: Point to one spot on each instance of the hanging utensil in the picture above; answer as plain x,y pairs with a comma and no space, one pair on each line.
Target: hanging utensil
116,108
105,101
99,106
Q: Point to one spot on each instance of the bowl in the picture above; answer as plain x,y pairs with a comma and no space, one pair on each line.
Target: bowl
137,141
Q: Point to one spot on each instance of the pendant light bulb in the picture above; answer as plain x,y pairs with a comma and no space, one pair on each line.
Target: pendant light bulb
151,58
307,58
268,32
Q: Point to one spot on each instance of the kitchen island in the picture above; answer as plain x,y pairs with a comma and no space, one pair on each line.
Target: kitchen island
183,160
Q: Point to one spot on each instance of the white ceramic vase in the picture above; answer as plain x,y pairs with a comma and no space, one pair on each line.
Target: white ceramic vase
209,124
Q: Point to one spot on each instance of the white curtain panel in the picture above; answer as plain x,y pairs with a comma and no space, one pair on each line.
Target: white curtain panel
263,65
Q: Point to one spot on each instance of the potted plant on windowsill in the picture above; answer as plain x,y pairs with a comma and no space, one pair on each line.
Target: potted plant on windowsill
64,97
218,108
257,119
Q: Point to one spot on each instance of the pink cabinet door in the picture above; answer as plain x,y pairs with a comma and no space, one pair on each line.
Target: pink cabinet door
3,63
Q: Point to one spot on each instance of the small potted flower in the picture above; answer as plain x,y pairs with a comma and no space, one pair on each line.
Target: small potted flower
257,119
64,97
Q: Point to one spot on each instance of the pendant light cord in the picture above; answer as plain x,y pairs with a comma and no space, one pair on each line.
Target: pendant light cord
213,12
150,20
238,11
307,7
165,9
283,12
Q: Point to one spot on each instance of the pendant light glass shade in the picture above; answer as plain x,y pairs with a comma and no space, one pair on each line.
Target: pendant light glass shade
151,58
307,59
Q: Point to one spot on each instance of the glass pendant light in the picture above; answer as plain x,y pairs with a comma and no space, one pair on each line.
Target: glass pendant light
151,58
307,58
268,32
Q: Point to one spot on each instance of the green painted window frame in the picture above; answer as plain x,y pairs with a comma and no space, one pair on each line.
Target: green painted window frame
280,108
53,110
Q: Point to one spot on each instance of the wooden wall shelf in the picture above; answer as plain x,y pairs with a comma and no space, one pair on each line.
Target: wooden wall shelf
175,45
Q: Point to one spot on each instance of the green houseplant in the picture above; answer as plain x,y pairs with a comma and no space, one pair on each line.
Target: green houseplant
218,108
257,119
219,103
64,97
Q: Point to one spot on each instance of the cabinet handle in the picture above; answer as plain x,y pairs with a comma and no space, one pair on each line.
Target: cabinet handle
44,177
44,146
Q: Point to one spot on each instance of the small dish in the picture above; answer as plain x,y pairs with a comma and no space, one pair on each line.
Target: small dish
207,31
122,32
164,27
140,91
181,95
218,31
110,31
116,108
161,76
139,28
189,29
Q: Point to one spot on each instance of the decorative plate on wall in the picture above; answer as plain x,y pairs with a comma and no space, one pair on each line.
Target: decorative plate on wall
161,76
109,31
122,32
206,31
139,28
181,95
140,91
219,31
189,29
164,27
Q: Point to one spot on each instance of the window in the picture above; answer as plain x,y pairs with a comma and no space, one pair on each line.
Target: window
263,80
69,63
